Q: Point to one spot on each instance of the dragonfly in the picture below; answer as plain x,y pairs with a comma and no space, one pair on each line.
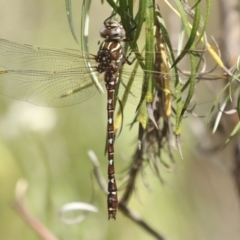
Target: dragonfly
63,77
59,77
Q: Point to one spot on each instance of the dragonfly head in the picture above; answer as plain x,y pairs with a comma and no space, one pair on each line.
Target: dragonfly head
112,30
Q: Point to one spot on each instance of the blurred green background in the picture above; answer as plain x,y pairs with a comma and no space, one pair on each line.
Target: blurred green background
48,147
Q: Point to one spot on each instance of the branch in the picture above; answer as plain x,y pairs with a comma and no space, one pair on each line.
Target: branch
22,210
122,206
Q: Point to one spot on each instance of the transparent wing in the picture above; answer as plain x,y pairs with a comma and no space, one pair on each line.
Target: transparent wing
26,57
161,80
47,88
44,76
59,77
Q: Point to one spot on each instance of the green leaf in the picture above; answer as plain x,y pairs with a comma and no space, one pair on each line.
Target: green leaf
174,71
191,34
226,93
84,43
238,106
219,116
149,53
206,18
113,4
233,133
70,19
142,116
148,84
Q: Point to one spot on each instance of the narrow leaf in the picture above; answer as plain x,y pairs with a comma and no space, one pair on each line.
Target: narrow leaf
233,133
84,42
192,35
70,19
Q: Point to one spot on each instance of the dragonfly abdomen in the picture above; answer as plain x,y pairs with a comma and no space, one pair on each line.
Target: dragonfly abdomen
110,58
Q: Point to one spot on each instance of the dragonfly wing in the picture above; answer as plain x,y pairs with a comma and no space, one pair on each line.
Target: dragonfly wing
133,90
52,89
44,76
130,86
26,57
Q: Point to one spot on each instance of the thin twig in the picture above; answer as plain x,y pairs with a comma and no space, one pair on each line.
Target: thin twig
97,171
136,219
122,206
31,220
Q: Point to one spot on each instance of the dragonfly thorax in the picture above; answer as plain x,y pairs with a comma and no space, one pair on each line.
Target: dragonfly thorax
112,30
110,56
